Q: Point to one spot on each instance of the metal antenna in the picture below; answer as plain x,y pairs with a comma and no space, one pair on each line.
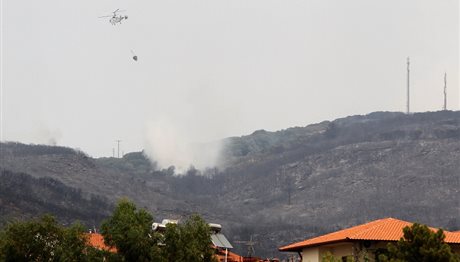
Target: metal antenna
408,79
445,91
250,244
1,71
118,152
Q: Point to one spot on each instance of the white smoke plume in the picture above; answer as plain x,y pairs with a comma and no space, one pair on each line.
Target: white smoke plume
169,144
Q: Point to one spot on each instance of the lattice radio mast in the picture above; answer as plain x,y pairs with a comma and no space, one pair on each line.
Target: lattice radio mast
445,91
408,82
118,145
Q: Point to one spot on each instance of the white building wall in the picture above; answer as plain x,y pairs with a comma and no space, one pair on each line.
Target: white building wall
311,255
315,254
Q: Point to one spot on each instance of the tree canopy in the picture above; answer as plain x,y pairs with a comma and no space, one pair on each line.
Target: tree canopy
129,230
420,244
44,240
190,241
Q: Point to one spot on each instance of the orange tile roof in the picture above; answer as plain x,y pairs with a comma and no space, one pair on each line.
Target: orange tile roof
97,240
452,237
387,229
231,257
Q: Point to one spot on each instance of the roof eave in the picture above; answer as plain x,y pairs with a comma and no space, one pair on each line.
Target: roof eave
300,248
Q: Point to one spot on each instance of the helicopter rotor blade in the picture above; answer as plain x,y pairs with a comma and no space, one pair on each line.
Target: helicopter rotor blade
105,16
118,11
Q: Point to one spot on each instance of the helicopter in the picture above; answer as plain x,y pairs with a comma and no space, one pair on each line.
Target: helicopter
114,18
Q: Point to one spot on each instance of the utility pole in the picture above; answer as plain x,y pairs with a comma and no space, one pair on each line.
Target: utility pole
408,82
118,144
445,91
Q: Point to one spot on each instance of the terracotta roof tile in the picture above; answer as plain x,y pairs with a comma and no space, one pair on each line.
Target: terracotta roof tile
97,240
231,257
387,229
452,237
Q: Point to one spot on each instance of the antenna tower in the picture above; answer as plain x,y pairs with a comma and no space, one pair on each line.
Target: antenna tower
408,82
445,91
118,146
250,244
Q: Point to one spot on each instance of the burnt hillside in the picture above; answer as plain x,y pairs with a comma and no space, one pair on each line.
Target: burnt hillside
286,185
24,197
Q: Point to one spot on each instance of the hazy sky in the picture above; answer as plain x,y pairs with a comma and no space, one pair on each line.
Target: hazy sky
210,69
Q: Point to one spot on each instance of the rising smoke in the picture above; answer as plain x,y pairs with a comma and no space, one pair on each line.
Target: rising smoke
170,144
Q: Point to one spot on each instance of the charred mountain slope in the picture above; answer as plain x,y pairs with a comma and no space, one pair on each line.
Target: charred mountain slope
23,197
286,185
108,178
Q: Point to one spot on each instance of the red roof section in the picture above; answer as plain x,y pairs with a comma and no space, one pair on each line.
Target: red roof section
231,257
452,237
387,229
97,240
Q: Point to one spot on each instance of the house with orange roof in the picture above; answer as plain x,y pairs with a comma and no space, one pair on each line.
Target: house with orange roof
368,239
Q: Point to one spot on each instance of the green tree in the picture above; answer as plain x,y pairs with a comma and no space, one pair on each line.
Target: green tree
197,240
129,230
44,240
74,245
172,248
189,242
420,244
